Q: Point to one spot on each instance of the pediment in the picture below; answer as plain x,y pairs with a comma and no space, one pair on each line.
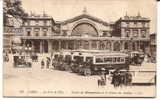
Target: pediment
85,16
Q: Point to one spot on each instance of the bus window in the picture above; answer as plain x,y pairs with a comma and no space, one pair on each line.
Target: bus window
78,58
68,58
114,59
99,60
107,60
118,59
110,59
122,59
90,59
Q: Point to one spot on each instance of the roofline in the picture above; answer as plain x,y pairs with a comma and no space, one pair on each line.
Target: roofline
87,15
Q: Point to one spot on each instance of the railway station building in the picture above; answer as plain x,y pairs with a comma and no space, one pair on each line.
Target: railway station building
44,35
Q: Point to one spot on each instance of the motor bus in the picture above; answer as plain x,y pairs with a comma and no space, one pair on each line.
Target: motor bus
90,63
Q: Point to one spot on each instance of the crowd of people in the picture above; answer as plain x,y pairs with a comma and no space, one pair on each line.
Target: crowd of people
121,78
117,78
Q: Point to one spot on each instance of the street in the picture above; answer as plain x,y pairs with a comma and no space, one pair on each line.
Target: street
51,83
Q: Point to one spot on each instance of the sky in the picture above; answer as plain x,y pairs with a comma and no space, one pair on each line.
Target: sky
107,10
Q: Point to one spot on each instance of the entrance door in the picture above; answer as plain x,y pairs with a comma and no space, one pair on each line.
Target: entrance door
37,46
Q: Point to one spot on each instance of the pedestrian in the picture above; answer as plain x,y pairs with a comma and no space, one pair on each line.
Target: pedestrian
115,79
118,79
47,65
129,78
122,79
53,63
42,64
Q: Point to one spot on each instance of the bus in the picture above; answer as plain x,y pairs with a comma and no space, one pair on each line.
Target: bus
91,63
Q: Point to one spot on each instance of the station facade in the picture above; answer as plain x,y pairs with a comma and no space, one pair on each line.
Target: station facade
44,35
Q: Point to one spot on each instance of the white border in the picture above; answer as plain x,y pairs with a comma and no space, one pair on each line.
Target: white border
158,61
158,49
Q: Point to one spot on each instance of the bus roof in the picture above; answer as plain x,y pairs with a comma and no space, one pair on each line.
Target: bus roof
95,53
112,55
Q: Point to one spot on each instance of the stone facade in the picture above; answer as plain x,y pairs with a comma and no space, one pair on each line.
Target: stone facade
153,46
44,34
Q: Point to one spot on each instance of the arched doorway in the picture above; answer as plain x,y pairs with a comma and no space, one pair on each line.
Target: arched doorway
102,45
71,45
133,46
126,46
37,46
94,45
55,45
84,29
117,46
63,45
108,45
86,45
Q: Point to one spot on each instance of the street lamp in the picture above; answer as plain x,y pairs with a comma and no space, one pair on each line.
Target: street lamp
26,49
20,51
29,50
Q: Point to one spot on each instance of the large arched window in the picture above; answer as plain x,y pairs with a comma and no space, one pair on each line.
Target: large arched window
84,29
102,45
117,46
94,44
86,45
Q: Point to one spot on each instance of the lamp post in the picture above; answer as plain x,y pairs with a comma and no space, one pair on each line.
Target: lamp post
28,50
20,51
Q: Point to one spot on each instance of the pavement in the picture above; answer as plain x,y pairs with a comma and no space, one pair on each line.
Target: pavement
37,82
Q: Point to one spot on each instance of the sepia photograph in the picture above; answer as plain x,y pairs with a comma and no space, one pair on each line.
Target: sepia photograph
79,48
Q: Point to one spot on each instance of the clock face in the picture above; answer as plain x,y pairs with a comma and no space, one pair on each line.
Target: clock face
84,29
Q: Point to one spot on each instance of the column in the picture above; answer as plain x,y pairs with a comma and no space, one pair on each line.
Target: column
112,45
139,48
74,45
41,46
130,45
90,45
122,45
66,45
136,48
32,43
97,43
49,46
59,45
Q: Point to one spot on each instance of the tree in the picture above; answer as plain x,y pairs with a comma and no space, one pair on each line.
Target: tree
12,8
